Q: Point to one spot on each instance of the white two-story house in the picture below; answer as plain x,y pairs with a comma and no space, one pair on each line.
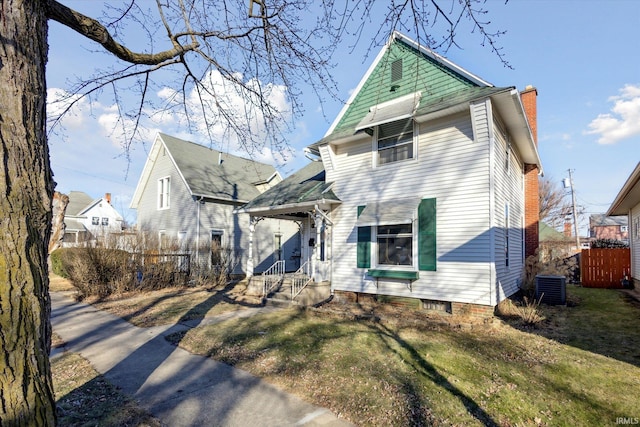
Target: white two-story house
425,185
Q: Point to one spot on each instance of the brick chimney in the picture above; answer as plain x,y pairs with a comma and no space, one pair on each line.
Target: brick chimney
107,197
568,229
529,98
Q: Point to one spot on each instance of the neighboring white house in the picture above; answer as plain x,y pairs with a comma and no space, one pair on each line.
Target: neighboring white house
627,202
187,194
425,185
87,219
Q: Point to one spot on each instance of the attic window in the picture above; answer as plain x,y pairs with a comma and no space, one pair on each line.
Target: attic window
396,70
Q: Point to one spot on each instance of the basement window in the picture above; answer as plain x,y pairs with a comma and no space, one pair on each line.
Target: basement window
433,305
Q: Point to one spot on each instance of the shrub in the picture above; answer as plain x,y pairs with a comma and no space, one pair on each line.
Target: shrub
98,271
609,243
57,266
526,310
108,269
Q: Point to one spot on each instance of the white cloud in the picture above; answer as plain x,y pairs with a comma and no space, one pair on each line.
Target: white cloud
624,119
59,100
230,115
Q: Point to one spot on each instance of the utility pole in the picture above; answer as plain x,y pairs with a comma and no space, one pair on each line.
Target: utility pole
575,212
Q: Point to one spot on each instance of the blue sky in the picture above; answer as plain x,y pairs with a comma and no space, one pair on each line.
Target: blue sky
583,56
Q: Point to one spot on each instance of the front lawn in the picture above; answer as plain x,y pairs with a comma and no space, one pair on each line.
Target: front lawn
579,367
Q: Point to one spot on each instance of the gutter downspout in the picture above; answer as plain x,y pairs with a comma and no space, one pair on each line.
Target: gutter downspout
199,202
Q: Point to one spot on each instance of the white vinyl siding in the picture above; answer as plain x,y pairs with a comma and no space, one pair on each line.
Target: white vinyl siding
180,220
451,167
634,241
508,231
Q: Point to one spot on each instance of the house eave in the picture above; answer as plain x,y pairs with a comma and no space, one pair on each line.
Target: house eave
287,208
509,105
628,196
214,198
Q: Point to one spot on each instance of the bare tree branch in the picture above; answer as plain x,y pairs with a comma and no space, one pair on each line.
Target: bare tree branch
95,31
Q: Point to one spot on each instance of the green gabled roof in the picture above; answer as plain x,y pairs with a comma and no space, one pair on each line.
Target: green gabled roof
303,187
550,234
213,174
444,102
423,71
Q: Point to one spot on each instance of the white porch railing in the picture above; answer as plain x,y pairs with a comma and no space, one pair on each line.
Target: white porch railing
300,279
272,277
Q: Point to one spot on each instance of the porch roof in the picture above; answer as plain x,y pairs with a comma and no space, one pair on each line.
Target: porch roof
296,193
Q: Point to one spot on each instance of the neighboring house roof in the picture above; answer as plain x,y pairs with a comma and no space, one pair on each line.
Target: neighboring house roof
602,220
629,194
434,87
208,173
78,202
550,234
71,225
304,188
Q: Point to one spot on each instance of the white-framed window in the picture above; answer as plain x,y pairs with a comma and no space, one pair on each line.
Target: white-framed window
624,228
105,221
216,247
506,233
636,228
390,234
95,220
164,191
182,239
394,141
395,244
163,240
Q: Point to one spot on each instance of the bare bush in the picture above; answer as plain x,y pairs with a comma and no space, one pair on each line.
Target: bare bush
143,261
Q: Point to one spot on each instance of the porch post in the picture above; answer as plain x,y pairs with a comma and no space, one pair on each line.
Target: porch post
317,274
252,229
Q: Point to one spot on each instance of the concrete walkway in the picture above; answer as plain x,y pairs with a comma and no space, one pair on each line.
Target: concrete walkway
175,386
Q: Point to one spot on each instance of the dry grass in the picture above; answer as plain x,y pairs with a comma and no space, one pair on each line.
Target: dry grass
59,284
383,365
380,366
170,305
85,398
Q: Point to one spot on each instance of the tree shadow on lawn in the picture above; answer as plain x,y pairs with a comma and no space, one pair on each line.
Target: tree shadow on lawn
196,312
98,402
298,354
602,321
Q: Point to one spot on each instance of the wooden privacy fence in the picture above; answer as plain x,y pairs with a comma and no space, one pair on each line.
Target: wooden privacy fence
605,268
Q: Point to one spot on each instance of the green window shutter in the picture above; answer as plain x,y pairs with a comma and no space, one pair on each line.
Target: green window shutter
364,244
427,235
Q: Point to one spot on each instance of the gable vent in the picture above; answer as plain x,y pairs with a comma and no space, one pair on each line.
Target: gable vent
551,290
396,70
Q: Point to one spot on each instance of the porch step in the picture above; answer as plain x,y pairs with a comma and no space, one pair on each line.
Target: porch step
312,294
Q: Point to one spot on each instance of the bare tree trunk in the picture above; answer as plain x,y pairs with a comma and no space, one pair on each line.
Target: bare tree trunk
60,202
26,189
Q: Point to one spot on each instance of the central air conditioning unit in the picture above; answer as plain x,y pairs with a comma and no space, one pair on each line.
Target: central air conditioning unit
551,290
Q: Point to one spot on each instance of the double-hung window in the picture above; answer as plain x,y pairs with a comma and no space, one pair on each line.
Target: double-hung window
395,244
395,141
164,190
389,234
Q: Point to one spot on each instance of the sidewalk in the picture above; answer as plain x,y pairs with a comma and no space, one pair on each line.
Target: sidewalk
175,386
